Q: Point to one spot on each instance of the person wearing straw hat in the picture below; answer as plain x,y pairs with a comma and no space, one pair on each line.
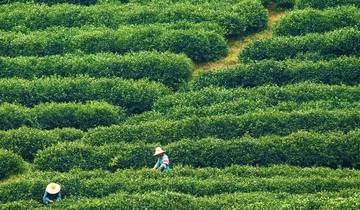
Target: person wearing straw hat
52,193
163,162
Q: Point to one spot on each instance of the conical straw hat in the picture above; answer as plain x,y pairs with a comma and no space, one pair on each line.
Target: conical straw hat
53,188
158,151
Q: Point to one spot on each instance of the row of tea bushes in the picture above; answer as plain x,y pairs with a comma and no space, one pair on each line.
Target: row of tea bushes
227,126
343,70
10,164
236,19
269,94
345,199
167,68
59,115
26,142
300,22
333,149
82,2
344,41
98,183
321,4
241,107
136,96
200,46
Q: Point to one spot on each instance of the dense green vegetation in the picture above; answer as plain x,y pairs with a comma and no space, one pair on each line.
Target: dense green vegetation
170,69
300,22
335,43
89,88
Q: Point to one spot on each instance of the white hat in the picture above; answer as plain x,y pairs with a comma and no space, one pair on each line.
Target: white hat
158,151
53,188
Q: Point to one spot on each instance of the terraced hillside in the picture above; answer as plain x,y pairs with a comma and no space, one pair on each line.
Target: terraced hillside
256,102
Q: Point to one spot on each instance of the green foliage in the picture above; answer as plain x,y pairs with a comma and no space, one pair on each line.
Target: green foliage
10,164
344,70
321,4
170,69
300,22
201,46
59,115
340,42
227,126
269,94
135,96
26,142
82,2
68,155
236,19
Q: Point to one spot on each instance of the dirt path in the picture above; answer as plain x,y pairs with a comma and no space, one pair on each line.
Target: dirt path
235,46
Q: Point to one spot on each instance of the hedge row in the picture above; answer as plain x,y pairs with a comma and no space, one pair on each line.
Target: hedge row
82,2
340,42
59,115
227,126
10,164
236,19
345,199
170,69
321,4
344,70
223,201
300,22
300,93
201,46
26,142
136,96
299,149
100,183
242,107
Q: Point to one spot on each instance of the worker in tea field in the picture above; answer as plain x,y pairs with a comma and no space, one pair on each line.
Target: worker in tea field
163,162
52,193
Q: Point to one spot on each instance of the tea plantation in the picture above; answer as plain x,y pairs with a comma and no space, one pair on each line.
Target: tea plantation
89,88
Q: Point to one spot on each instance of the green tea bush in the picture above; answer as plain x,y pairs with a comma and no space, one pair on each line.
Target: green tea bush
236,19
334,150
26,142
340,42
10,164
135,96
269,94
69,155
59,115
300,22
244,106
343,70
200,46
226,126
170,69
321,4
51,2
207,181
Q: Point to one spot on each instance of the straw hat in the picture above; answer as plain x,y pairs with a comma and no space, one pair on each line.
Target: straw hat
158,151
53,188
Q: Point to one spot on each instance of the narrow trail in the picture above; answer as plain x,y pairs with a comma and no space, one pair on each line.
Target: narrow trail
236,45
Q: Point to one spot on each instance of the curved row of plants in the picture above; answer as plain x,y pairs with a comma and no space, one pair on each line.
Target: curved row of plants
136,96
344,41
300,22
200,46
98,184
343,70
237,19
59,115
167,68
269,94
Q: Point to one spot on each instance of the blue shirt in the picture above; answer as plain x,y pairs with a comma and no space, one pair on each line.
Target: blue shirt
47,197
163,162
